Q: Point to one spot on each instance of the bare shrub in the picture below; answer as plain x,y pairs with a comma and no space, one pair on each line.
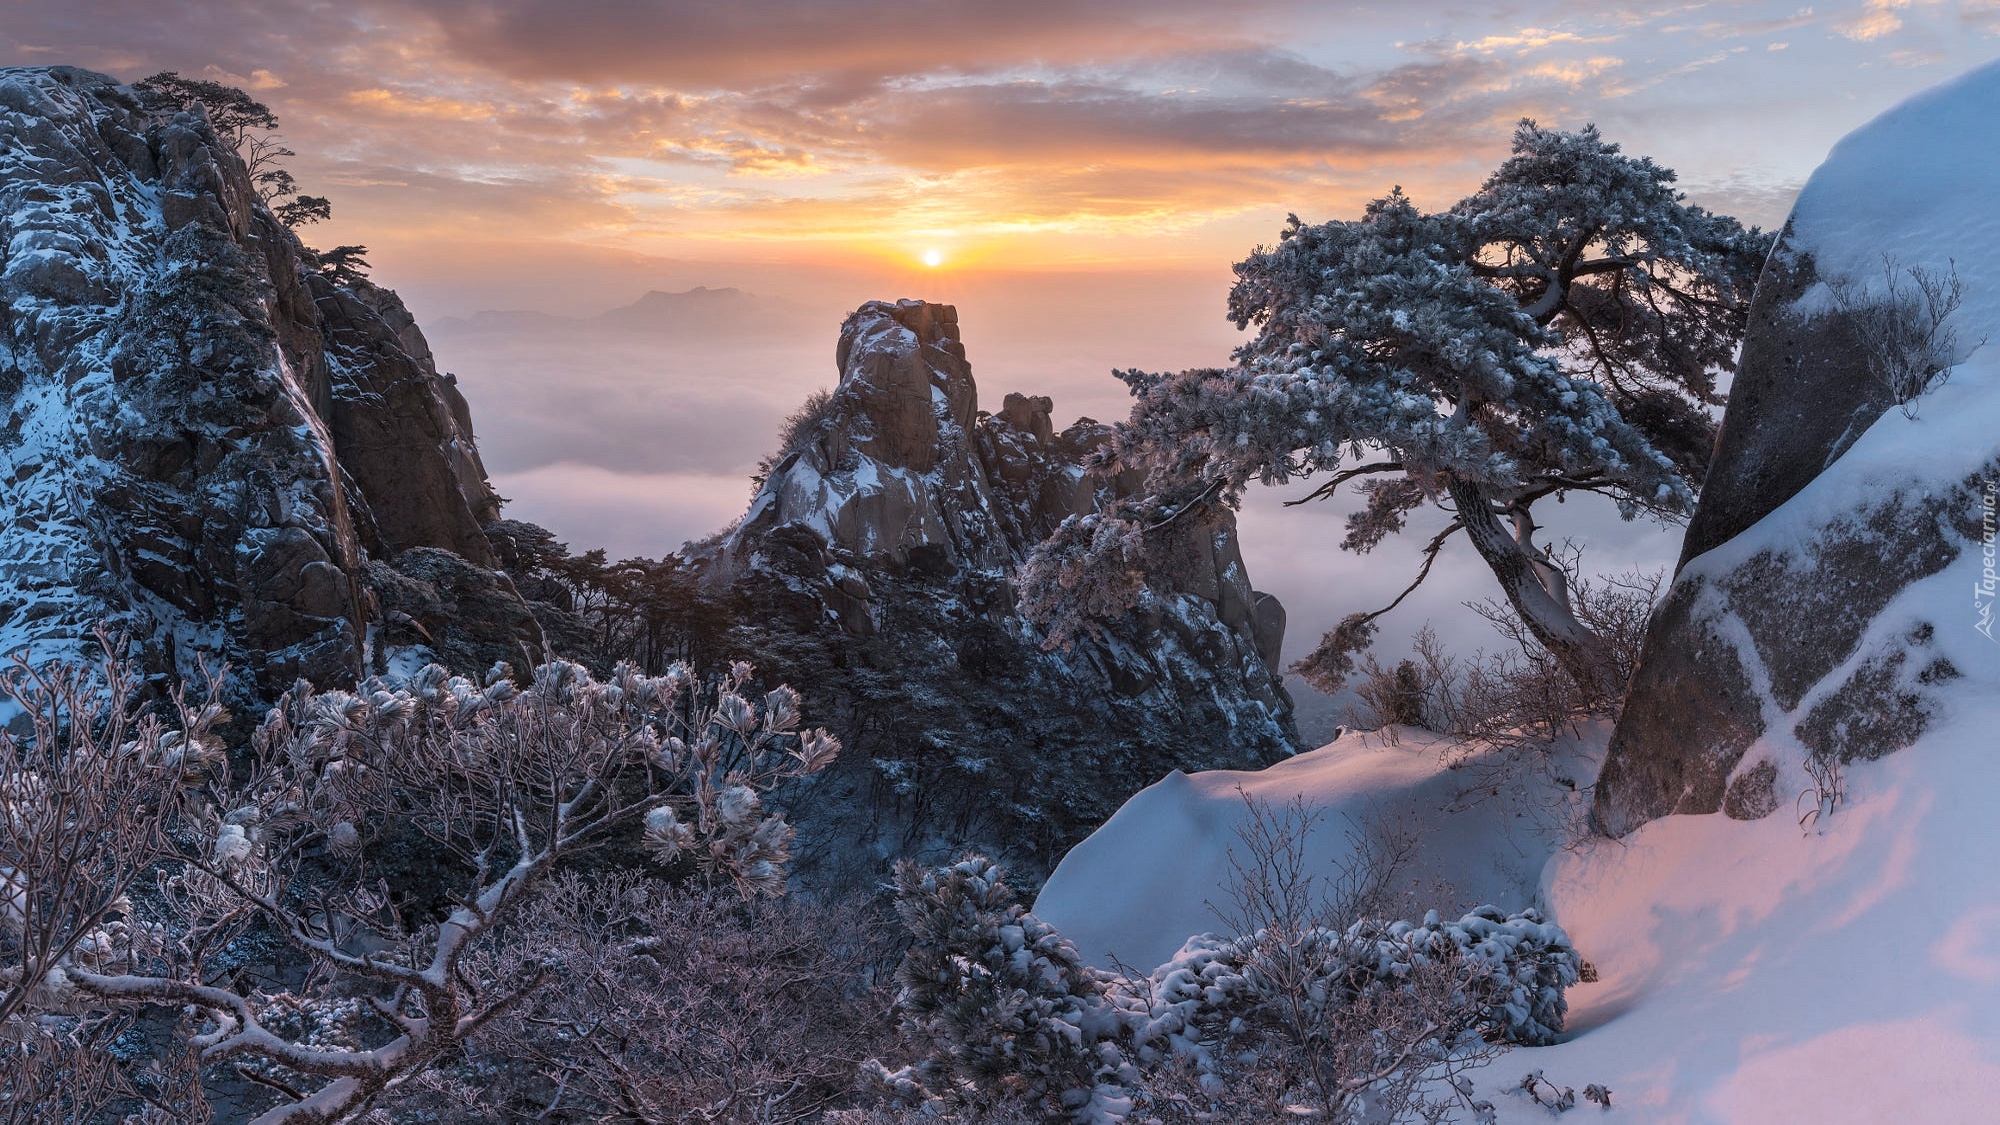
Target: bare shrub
1901,330
1425,690
1520,693
88,787
1827,790
61,1070
510,784
1529,690
664,1005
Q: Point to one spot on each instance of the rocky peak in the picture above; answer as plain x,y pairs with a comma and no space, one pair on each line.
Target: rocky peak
879,551
903,369
904,460
205,441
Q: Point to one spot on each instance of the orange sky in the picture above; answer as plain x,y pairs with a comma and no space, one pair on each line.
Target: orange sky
990,133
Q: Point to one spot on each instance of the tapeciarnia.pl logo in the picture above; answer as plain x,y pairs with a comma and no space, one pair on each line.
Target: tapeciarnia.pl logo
1988,586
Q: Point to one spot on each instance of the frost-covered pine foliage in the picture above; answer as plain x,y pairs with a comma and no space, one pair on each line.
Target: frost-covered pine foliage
999,1004
997,1000
1559,330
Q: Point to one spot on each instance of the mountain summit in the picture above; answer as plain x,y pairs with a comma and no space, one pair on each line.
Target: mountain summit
880,549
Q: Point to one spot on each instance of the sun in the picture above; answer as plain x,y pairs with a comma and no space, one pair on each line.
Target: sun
933,257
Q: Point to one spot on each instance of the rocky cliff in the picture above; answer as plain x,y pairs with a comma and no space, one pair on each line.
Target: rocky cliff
1800,628
206,444
875,563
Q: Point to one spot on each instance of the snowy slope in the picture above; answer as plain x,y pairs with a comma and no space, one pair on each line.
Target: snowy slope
1757,971
1154,874
1752,971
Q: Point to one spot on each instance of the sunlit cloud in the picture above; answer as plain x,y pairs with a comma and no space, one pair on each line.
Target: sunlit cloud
1039,130
1531,39
1878,19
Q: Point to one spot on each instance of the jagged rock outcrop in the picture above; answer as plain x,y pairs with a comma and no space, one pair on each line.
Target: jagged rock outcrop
1794,630
873,571
205,441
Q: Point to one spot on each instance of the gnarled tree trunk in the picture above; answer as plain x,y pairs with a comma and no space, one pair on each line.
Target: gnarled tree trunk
1582,653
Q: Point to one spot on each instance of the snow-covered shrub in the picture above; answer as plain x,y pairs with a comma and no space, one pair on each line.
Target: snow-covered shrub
1521,965
998,1001
1375,1009
1298,1012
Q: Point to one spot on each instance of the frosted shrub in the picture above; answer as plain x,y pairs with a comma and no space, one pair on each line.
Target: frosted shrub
666,998
503,785
997,1000
1300,1011
1901,331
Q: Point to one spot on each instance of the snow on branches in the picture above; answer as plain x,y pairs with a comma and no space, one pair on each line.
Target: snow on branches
999,1004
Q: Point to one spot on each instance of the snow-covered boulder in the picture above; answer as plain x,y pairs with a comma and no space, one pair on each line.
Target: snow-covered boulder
1800,622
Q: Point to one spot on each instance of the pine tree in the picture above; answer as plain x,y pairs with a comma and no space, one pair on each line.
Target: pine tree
1558,331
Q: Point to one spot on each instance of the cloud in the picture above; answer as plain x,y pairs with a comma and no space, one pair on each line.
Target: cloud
680,127
1531,39
1877,19
838,44
627,514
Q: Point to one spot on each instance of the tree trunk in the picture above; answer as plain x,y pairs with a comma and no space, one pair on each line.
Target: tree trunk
1582,653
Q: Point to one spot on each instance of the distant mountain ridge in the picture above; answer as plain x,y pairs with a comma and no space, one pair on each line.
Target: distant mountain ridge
726,313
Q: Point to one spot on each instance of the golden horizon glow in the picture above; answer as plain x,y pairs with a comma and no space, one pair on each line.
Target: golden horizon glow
830,138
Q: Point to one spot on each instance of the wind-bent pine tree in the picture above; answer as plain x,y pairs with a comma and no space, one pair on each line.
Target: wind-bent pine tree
1558,331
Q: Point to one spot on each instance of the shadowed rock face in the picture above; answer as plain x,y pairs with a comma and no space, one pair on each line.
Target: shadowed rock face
1801,395
204,441
1758,647
1774,635
876,560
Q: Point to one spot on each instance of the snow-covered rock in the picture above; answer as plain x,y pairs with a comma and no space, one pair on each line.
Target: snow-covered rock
204,440
1794,624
